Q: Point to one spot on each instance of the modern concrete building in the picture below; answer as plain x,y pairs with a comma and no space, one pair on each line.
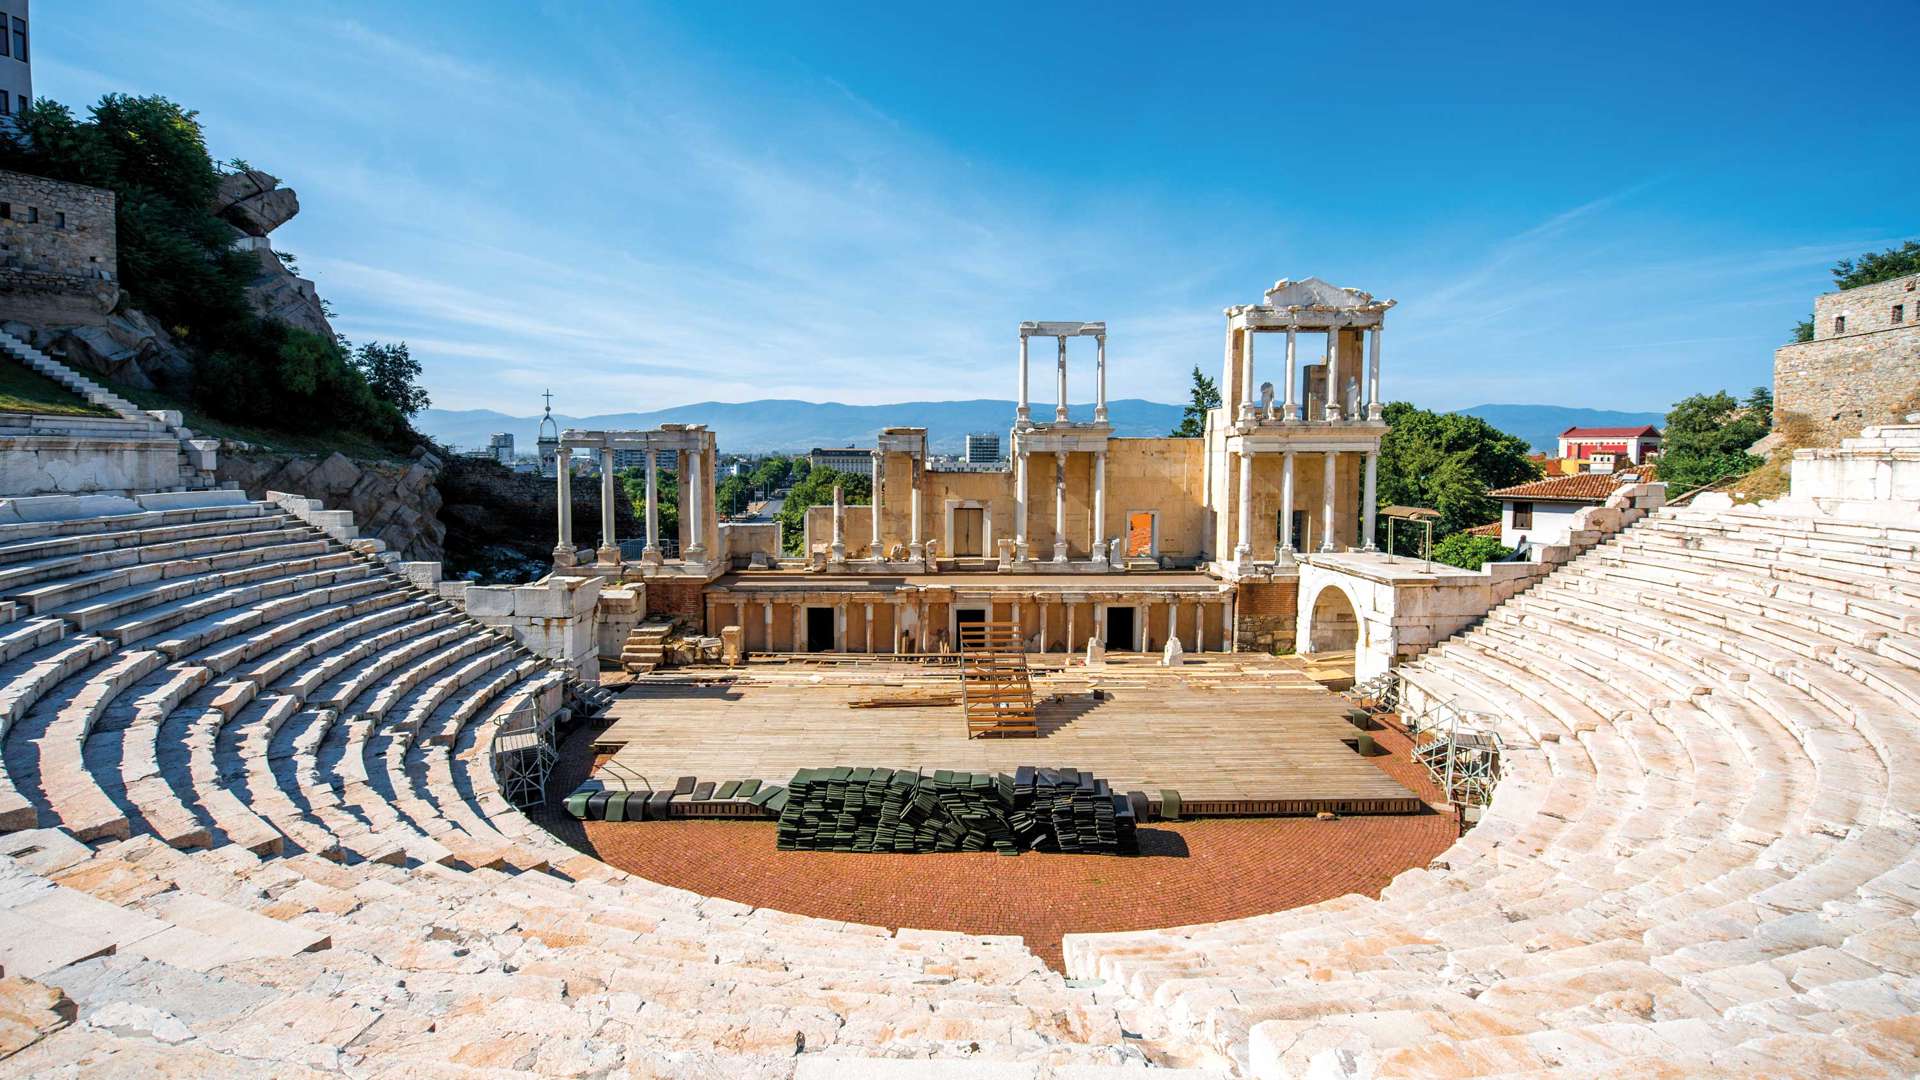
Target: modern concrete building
16,59
846,459
983,448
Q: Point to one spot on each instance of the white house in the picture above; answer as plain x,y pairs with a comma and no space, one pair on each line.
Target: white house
1541,511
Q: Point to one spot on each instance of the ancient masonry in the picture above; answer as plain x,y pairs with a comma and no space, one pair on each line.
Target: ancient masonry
1863,364
58,249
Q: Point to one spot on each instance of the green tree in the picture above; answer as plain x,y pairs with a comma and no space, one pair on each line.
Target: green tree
1707,436
816,489
667,494
1469,552
1875,267
1447,462
1803,330
772,472
393,374
1203,395
732,495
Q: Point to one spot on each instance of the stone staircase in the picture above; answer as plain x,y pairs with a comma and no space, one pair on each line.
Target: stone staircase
645,647
1703,859
197,456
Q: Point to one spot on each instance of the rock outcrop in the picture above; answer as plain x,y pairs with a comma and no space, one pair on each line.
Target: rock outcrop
395,503
254,204
129,347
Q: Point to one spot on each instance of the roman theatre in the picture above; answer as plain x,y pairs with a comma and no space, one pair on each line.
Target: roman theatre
1133,754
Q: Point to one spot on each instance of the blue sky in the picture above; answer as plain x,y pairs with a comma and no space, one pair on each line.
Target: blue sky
645,206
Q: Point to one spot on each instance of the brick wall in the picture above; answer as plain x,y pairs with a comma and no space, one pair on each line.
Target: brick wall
683,600
1267,613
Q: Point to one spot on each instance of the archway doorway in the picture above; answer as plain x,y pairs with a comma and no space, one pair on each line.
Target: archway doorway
1334,626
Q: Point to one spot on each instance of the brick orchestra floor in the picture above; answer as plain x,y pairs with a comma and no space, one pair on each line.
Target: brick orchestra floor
1193,871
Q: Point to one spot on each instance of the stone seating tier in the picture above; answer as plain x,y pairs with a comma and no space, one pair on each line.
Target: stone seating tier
1704,858
251,823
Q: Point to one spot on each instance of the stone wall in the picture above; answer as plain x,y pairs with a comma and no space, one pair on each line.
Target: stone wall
1265,613
678,599
1844,382
553,618
392,502
59,257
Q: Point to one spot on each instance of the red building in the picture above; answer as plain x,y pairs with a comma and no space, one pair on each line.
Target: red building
1636,444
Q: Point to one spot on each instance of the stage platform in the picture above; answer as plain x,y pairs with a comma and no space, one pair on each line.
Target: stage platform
1234,734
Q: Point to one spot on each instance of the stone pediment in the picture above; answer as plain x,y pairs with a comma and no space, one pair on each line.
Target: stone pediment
1315,293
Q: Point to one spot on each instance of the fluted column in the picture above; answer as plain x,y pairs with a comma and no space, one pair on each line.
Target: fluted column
1248,406
609,553
869,631
1020,506
1366,521
563,551
916,548
766,621
1060,506
1243,551
697,499
1023,415
837,550
1043,625
1333,373
1375,408
1099,503
1060,408
652,550
1100,380
1285,554
1327,500
879,472
1069,606
1292,410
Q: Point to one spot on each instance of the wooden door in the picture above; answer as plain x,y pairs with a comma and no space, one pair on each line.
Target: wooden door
969,531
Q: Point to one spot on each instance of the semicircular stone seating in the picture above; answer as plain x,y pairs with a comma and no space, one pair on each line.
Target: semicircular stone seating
251,827
1704,857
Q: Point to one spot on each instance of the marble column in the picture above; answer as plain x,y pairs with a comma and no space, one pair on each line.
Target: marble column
609,553
1060,505
1333,373
1375,408
1020,506
1060,408
1292,408
766,618
1043,625
1100,380
1173,619
1248,406
1230,623
879,472
563,550
1367,503
697,498
1200,626
895,607
1099,622
1243,551
1099,504
1331,485
869,627
916,548
1285,554
837,549
1146,614
799,627
1070,606
1023,416
652,550
840,626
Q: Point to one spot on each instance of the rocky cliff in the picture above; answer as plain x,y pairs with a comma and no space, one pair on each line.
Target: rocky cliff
396,503
254,204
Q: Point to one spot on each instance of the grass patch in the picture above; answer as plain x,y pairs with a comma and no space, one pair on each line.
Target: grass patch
353,444
24,390
1773,478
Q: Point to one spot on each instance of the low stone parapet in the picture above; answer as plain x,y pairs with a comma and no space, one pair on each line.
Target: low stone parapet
553,617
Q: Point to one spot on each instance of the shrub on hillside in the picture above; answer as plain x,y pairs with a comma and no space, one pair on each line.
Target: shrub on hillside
295,380
1469,552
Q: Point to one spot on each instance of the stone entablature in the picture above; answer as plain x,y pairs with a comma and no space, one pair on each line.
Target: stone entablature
1844,381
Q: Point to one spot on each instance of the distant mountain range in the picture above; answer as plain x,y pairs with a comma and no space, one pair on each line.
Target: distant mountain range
774,426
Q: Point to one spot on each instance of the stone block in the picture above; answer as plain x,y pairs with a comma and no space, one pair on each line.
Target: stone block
557,597
489,600
423,574
191,500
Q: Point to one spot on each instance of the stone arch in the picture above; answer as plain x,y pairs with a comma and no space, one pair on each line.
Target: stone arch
1333,622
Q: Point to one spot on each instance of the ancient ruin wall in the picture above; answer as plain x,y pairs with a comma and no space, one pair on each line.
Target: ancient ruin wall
1843,381
59,256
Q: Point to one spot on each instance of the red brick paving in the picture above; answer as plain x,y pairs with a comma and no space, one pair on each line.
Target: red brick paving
1188,872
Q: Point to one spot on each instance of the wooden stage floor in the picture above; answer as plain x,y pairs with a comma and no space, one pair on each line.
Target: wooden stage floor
1233,734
